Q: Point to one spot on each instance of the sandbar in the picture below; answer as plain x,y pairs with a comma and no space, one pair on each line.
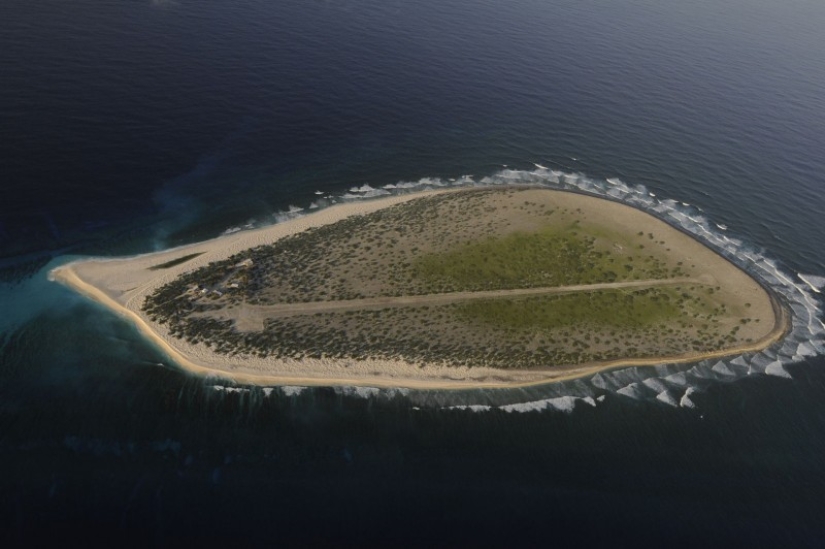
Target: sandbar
123,285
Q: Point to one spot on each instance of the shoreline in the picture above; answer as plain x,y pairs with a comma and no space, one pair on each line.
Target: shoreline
121,284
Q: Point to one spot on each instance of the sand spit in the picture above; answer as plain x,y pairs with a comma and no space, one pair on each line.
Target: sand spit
122,285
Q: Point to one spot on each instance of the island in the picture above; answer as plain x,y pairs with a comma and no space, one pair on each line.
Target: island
459,288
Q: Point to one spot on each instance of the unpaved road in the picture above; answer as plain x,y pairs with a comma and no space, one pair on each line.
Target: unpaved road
251,317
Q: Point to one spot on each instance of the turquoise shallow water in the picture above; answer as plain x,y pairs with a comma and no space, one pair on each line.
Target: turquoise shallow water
130,127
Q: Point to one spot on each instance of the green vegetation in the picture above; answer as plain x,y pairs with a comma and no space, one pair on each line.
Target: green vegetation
174,262
630,309
478,240
502,333
548,257
458,242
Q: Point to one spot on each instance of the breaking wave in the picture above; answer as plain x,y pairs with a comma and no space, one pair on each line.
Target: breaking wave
667,384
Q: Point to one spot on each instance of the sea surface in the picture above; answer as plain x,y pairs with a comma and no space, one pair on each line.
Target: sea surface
128,126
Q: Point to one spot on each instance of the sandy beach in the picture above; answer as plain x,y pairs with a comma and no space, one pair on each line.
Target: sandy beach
122,284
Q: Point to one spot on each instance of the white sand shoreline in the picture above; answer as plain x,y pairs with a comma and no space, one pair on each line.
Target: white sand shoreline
122,284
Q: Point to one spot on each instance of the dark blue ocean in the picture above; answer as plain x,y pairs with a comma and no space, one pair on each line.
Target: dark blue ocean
128,126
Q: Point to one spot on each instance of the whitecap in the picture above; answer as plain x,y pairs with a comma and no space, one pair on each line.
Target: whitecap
563,404
655,384
362,392
471,407
776,369
685,401
722,368
634,391
667,398
230,389
805,349
816,283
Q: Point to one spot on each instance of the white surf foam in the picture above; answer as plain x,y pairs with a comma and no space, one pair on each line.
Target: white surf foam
563,404
722,369
677,379
634,391
775,368
362,392
805,349
655,384
813,281
292,390
686,401
224,389
471,407
667,398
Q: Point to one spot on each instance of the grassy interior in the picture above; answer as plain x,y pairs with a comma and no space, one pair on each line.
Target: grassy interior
634,309
547,257
461,242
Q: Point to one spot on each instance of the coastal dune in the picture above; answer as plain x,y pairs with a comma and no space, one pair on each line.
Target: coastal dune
123,284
